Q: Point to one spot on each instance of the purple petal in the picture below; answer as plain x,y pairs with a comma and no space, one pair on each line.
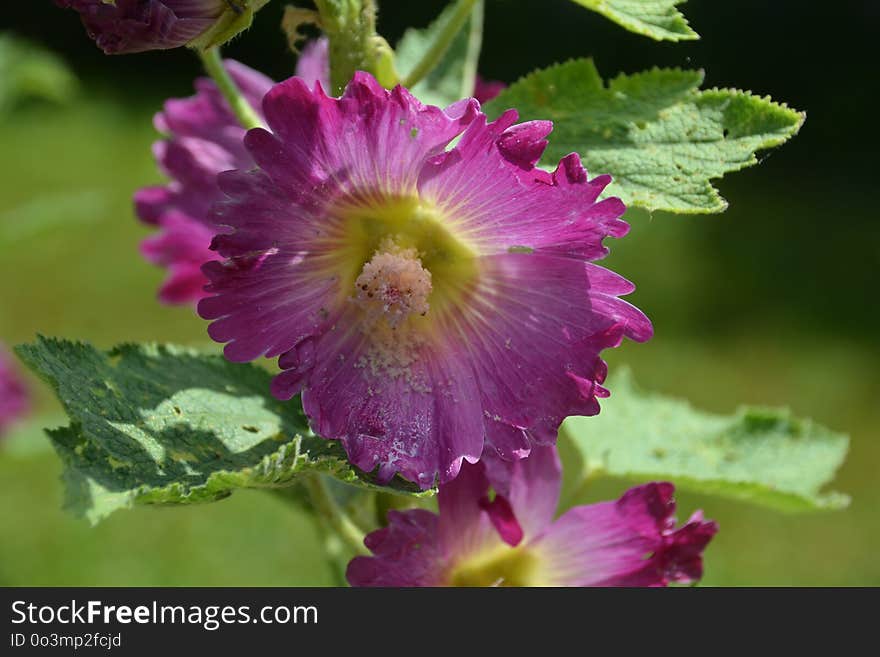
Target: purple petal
534,330
488,182
606,544
465,530
531,485
182,247
523,144
503,519
313,65
420,422
419,548
369,138
204,140
406,553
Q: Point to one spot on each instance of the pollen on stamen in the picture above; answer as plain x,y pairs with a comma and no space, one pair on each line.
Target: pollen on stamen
393,285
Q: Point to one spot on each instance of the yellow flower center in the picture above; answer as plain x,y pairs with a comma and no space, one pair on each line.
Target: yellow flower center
505,567
382,239
403,263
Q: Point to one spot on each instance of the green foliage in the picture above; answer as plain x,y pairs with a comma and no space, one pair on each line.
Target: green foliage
660,137
760,455
658,19
29,71
153,424
453,77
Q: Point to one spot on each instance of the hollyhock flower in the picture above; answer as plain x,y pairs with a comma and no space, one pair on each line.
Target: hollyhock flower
204,138
14,397
129,26
424,299
512,540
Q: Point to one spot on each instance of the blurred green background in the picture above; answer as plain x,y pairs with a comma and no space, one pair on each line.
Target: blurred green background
772,303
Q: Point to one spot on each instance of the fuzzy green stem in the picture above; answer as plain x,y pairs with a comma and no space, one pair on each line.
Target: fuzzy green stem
444,39
350,25
333,515
242,109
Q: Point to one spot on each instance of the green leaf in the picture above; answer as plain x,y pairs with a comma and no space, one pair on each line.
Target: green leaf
658,19
160,424
660,137
30,71
759,455
454,76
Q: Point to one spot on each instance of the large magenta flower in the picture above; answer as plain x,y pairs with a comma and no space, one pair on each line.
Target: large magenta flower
129,26
14,396
204,138
512,539
424,299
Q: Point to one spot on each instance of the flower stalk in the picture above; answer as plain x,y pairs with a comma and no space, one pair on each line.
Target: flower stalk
242,109
350,25
334,517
